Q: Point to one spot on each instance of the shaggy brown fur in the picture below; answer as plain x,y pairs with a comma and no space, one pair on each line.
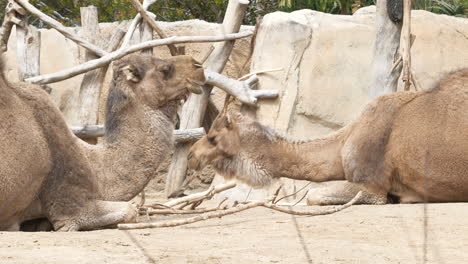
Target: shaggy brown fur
402,144
45,171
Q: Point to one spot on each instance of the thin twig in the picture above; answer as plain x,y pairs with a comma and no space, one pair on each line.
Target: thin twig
142,200
289,195
198,218
202,195
259,72
322,211
152,23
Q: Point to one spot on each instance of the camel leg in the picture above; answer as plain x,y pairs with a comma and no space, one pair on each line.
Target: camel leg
98,214
12,228
341,192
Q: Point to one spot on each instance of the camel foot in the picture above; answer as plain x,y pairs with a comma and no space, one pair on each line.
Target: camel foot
99,214
341,192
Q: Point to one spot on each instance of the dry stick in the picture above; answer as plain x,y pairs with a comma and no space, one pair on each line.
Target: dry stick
135,22
326,211
207,55
198,218
152,23
202,195
405,44
400,59
178,211
180,136
10,19
142,199
94,64
259,72
131,29
242,90
57,26
289,195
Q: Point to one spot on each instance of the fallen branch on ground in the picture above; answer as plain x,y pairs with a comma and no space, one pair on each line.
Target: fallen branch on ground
202,195
323,211
218,213
151,211
194,219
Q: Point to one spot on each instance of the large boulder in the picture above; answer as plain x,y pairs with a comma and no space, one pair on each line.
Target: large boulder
326,61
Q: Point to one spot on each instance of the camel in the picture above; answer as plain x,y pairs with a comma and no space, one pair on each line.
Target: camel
47,172
411,146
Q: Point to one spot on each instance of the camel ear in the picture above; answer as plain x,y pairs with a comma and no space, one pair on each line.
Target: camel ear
228,121
132,73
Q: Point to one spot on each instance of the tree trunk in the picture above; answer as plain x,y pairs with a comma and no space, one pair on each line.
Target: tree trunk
386,52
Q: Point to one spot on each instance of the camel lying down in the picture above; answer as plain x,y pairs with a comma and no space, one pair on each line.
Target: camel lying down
47,172
409,145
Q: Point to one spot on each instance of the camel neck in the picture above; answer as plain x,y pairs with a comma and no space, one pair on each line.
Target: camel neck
140,141
316,160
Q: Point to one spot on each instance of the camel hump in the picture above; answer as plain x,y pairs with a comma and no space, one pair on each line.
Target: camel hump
366,144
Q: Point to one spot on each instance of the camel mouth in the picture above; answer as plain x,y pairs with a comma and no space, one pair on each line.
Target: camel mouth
194,163
195,86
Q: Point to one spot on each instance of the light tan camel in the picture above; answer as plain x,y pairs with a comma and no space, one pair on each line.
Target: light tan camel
47,172
412,145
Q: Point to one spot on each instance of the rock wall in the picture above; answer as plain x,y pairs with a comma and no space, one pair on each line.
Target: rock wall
326,60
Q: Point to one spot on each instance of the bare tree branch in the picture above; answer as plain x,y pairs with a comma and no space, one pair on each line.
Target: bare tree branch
322,211
152,23
11,11
238,208
94,64
57,26
206,216
242,90
131,29
180,136
202,195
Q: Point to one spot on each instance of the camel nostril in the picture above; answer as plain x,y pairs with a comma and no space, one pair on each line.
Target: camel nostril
189,157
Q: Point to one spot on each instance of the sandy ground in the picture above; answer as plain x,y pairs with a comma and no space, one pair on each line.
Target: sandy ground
360,234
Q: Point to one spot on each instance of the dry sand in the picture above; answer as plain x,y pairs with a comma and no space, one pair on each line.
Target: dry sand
360,234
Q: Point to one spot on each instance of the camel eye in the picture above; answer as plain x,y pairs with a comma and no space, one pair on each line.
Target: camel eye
212,140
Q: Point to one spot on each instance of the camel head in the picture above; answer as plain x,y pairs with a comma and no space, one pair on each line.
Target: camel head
154,82
231,147
222,142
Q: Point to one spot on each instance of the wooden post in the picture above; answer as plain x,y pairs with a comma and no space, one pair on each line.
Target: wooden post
405,43
194,109
28,48
146,33
386,52
90,89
